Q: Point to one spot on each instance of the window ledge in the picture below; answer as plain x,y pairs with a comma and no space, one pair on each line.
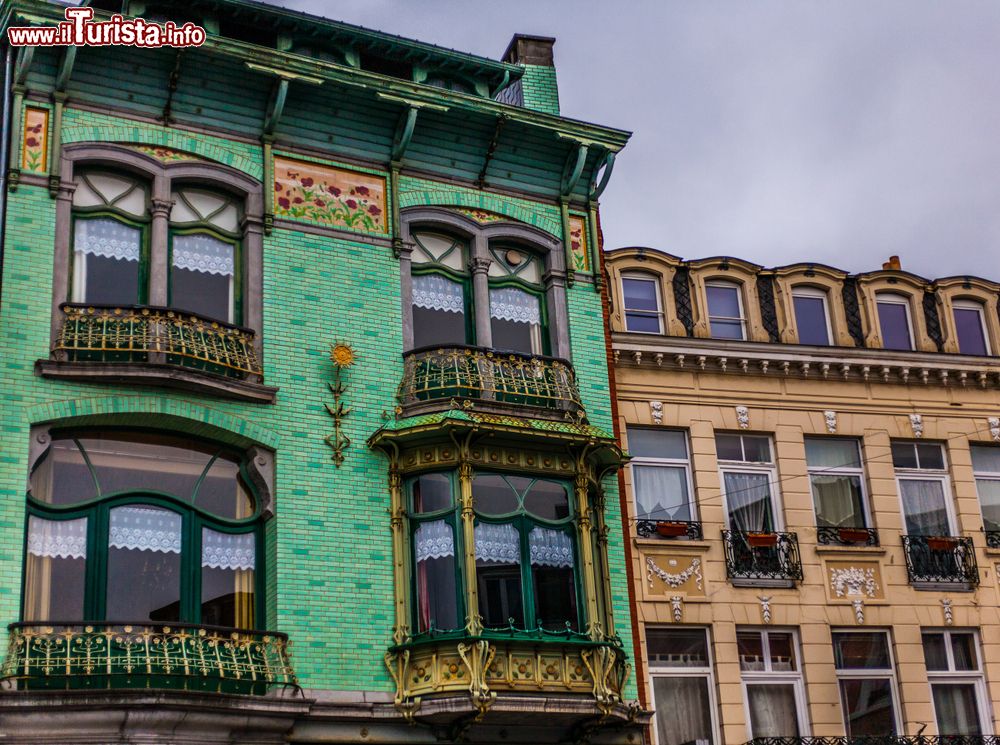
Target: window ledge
775,583
672,543
145,373
826,549
992,551
943,586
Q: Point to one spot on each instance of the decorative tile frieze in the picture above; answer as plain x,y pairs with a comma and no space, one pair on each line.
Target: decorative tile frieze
329,196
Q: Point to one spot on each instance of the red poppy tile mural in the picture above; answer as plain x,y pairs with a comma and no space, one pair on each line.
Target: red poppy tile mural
164,154
329,196
578,243
34,150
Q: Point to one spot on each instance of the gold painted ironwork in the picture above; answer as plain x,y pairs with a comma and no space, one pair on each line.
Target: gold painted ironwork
92,333
472,374
178,656
342,356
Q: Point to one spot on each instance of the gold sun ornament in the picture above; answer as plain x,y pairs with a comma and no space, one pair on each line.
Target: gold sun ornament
342,355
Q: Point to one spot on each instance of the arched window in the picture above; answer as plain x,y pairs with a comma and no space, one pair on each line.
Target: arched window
110,244
517,301
204,254
441,290
135,526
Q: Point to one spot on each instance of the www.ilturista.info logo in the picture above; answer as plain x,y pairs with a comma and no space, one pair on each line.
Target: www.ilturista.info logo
79,29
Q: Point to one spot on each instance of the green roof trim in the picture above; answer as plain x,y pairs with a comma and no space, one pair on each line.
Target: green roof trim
499,421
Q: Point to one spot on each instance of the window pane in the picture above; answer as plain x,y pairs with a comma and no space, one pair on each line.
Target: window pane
969,325
498,574
956,709
208,295
748,496
935,656
677,647
222,491
106,262
552,562
782,650
868,707
895,326
751,650
547,500
63,477
986,458
930,455
756,449
640,294
661,493
434,549
228,563
648,324
144,565
989,499
772,710
860,650
832,452
726,329
657,443
516,320
963,651
810,319
509,336
839,502
55,569
723,302
924,507
492,495
904,455
438,311
728,447
431,492
683,713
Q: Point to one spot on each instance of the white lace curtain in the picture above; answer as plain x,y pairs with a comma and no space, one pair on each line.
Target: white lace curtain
203,253
434,292
145,529
499,544
434,540
748,496
227,550
57,539
512,304
550,548
108,238
924,507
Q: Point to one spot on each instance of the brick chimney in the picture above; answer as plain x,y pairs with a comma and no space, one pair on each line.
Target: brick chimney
893,263
537,89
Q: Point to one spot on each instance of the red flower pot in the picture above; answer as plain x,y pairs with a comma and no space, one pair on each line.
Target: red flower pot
671,529
762,540
941,544
852,535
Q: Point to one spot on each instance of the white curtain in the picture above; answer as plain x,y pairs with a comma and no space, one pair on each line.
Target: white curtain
924,505
661,493
956,709
682,711
512,304
57,539
146,529
989,498
227,550
433,540
108,238
203,253
748,496
551,548
499,544
434,292
772,711
838,501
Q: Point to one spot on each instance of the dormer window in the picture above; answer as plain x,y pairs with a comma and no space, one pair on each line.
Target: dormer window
812,318
894,321
643,311
970,328
725,310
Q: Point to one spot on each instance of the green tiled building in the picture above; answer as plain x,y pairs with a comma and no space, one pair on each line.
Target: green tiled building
305,428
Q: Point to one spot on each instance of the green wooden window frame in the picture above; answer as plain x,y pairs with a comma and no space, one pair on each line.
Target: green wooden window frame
434,266
238,274
513,279
94,213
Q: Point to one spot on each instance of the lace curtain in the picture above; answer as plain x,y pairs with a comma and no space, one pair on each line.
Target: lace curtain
924,507
550,548
512,304
57,539
434,292
108,238
499,544
203,253
146,529
227,550
748,496
661,493
434,540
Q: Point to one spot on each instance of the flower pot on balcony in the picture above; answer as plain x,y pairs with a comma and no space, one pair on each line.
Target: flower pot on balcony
669,529
762,540
852,535
942,544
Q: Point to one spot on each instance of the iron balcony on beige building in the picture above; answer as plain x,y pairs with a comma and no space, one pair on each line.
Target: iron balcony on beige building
814,499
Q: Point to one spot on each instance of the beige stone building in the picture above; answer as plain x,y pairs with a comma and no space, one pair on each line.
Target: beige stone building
814,497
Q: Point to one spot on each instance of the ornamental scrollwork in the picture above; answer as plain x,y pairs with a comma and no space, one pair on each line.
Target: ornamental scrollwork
853,582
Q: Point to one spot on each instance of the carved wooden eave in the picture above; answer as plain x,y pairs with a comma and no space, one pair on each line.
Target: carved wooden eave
715,357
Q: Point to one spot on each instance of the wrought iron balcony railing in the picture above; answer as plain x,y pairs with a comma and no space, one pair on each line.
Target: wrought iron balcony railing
762,556
143,655
489,377
670,529
940,559
151,334
881,740
828,536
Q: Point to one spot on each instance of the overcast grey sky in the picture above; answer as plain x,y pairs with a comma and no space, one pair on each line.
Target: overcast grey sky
777,131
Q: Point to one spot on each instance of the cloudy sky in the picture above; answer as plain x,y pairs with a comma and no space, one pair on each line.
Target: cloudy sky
777,131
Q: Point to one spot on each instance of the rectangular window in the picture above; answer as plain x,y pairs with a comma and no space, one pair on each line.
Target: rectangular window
837,480
923,488
642,304
748,478
681,670
661,475
725,311
867,684
106,262
894,322
812,320
955,674
970,328
772,681
986,465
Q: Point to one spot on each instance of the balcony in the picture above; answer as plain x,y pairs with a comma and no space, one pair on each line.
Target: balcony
829,536
762,559
44,656
678,529
156,346
941,560
488,380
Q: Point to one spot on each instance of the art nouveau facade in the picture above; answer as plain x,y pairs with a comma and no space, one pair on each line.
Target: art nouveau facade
306,432
813,497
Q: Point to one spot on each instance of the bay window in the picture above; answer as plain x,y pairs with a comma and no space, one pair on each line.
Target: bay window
680,666
772,683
